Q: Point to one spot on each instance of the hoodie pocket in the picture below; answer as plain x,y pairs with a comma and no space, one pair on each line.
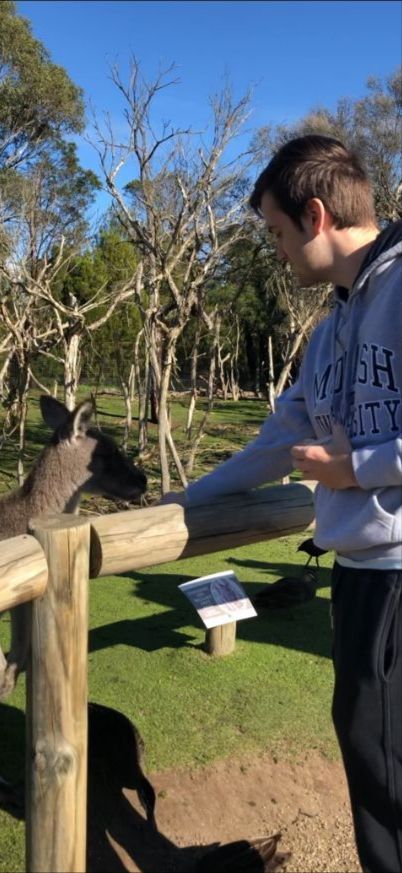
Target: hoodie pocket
387,501
354,520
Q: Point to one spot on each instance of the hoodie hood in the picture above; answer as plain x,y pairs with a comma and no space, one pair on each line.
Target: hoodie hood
350,307
386,247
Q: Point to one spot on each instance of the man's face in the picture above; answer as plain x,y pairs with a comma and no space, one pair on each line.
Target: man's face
305,250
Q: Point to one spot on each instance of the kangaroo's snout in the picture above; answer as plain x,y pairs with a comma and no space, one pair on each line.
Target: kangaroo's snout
137,483
142,480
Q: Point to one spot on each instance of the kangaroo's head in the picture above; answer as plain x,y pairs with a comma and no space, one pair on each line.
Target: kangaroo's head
92,459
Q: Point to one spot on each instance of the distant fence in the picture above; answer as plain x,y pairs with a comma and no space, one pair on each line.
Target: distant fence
51,567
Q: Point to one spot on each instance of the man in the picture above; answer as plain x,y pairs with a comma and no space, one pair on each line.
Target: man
340,424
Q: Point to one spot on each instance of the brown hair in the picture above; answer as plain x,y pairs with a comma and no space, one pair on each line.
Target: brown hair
318,166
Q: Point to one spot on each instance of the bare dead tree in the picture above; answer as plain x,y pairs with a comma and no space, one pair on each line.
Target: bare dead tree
212,321
19,318
193,380
70,321
234,361
182,212
305,308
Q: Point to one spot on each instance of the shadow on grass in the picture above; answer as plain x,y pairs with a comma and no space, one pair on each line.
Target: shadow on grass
303,628
324,573
149,634
117,835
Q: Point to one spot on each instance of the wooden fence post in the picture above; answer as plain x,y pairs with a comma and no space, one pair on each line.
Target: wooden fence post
221,640
57,702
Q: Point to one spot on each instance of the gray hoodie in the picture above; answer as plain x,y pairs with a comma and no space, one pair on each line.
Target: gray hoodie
350,376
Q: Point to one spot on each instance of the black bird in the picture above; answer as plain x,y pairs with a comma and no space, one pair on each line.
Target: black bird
310,548
288,591
242,856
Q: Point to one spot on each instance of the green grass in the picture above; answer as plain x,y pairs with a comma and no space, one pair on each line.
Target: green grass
146,656
273,692
231,426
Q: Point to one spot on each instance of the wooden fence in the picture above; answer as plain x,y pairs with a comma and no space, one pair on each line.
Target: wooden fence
50,568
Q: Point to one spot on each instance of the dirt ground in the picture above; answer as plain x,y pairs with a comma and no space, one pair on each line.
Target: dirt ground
196,809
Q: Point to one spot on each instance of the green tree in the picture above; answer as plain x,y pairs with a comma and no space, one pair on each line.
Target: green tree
38,101
372,125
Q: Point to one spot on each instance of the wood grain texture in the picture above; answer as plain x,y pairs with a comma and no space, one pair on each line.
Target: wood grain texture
221,640
142,538
57,702
23,571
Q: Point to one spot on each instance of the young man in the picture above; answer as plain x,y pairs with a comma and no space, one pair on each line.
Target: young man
340,424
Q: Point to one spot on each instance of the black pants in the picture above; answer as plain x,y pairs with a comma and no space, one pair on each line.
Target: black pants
367,707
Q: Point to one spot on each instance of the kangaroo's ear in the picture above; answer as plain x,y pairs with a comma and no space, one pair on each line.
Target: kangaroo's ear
54,413
81,417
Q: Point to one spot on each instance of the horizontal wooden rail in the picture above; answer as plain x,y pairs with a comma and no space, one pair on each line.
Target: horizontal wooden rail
23,571
127,541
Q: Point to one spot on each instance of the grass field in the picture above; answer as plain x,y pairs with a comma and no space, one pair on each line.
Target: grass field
146,655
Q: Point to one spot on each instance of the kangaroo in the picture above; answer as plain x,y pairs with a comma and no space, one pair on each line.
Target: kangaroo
77,459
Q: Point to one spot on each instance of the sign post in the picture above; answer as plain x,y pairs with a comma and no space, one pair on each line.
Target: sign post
220,601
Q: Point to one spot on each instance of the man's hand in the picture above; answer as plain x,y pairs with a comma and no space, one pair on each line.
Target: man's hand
329,463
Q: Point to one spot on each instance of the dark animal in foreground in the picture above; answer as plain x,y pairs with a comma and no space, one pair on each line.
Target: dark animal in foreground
288,591
12,797
115,756
77,459
115,760
242,856
310,548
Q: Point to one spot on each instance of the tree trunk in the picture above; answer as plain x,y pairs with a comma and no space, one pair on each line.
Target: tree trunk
3,375
194,392
142,390
155,358
131,383
271,390
220,361
153,399
210,403
294,348
16,403
271,375
234,365
23,404
165,436
126,390
71,369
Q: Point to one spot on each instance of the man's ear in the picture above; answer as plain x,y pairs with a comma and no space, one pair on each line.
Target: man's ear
316,215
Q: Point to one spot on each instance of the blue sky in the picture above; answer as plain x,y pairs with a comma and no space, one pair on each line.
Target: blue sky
297,54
